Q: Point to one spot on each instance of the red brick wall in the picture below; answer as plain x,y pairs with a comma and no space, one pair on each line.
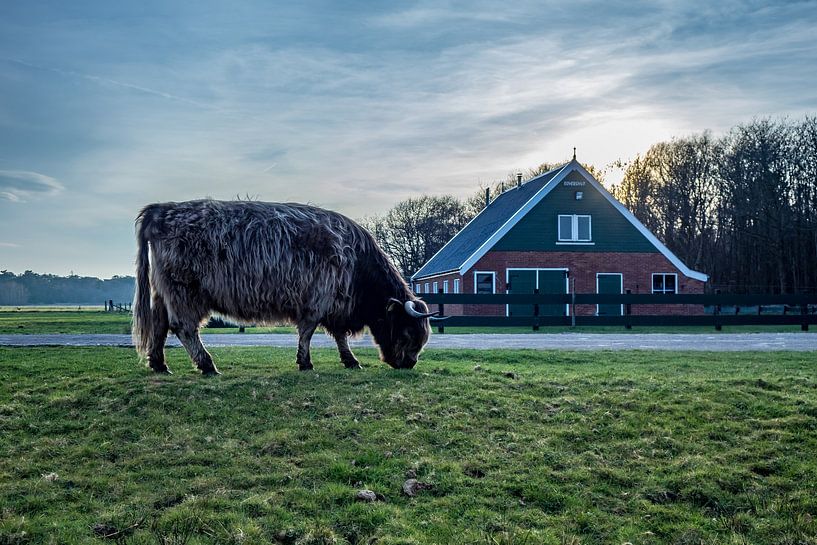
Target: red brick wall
450,310
637,269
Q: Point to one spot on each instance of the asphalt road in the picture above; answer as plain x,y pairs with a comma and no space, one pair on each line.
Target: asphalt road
723,342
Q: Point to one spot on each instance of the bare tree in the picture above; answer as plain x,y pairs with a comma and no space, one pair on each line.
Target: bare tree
416,228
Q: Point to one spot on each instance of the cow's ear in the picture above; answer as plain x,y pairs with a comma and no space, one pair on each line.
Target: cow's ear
393,305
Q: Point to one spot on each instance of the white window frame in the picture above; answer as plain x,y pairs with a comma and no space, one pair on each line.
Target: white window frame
574,227
418,288
427,287
436,287
445,286
493,280
621,284
664,291
456,285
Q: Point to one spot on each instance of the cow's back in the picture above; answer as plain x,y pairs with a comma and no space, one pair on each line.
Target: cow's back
253,260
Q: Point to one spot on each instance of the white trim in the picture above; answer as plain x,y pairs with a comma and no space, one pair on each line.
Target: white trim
445,286
621,289
548,187
436,275
456,285
575,243
435,287
695,275
665,274
493,280
513,220
426,288
537,269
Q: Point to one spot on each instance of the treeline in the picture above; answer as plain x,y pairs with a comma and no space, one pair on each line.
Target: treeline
31,288
740,207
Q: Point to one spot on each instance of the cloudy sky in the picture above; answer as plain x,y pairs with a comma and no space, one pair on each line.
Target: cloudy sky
106,106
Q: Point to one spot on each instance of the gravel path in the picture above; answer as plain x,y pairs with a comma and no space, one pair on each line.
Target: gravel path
724,342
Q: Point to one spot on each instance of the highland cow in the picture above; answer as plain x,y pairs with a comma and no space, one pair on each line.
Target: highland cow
267,262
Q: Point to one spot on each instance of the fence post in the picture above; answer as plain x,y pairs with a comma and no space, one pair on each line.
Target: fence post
572,302
628,310
441,308
716,312
804,314
536,311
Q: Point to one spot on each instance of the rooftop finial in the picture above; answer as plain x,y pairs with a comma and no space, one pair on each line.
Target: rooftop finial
574,153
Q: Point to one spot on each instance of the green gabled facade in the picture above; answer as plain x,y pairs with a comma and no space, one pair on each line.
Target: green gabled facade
538,229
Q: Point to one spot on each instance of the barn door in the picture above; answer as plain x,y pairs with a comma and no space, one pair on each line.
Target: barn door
608,283
552,281
521,281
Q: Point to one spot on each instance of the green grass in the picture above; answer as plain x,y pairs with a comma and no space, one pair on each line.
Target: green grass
44,321
519,447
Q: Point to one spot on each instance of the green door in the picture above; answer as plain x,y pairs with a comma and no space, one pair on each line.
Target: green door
521,281
609,283
552,282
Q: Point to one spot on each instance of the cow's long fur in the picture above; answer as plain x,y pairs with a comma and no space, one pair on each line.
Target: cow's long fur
265,262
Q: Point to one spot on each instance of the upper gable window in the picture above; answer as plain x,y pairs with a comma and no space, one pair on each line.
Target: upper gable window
575,228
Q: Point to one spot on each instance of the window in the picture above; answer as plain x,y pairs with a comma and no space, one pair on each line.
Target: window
484,282
574,228
436,289
456,285
664,283
445,286
426,290
418,288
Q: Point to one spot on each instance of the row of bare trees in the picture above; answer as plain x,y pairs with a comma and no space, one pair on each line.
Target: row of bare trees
741,207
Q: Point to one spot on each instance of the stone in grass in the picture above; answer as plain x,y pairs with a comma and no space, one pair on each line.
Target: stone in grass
412,487
369,496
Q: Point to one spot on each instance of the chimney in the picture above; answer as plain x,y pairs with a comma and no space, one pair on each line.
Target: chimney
518,179
487,196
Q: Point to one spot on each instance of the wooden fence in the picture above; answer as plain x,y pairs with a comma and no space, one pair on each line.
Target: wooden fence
717,310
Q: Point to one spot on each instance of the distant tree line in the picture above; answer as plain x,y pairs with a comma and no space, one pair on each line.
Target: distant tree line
31,288
741,208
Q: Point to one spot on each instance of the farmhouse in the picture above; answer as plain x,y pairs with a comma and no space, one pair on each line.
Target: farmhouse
559,232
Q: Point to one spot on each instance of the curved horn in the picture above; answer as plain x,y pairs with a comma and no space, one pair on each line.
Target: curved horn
412,311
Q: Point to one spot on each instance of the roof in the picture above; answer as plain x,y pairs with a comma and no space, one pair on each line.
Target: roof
486,223
496,219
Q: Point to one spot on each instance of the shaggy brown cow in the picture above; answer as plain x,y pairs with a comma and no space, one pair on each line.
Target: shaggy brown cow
266,262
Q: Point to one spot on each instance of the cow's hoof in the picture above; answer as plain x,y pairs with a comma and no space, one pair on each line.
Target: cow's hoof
161,370
353,365
305,367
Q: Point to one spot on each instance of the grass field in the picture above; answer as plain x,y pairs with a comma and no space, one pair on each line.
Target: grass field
43,321
516,446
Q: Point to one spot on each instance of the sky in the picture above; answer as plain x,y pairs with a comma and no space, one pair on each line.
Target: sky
107,106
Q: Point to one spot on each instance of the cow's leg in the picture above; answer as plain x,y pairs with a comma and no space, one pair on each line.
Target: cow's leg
349,360
158,335
305,331
188,334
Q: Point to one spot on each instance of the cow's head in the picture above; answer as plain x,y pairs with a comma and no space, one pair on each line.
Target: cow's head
404,332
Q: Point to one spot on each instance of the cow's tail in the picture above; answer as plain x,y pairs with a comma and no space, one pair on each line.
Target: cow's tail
142,325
